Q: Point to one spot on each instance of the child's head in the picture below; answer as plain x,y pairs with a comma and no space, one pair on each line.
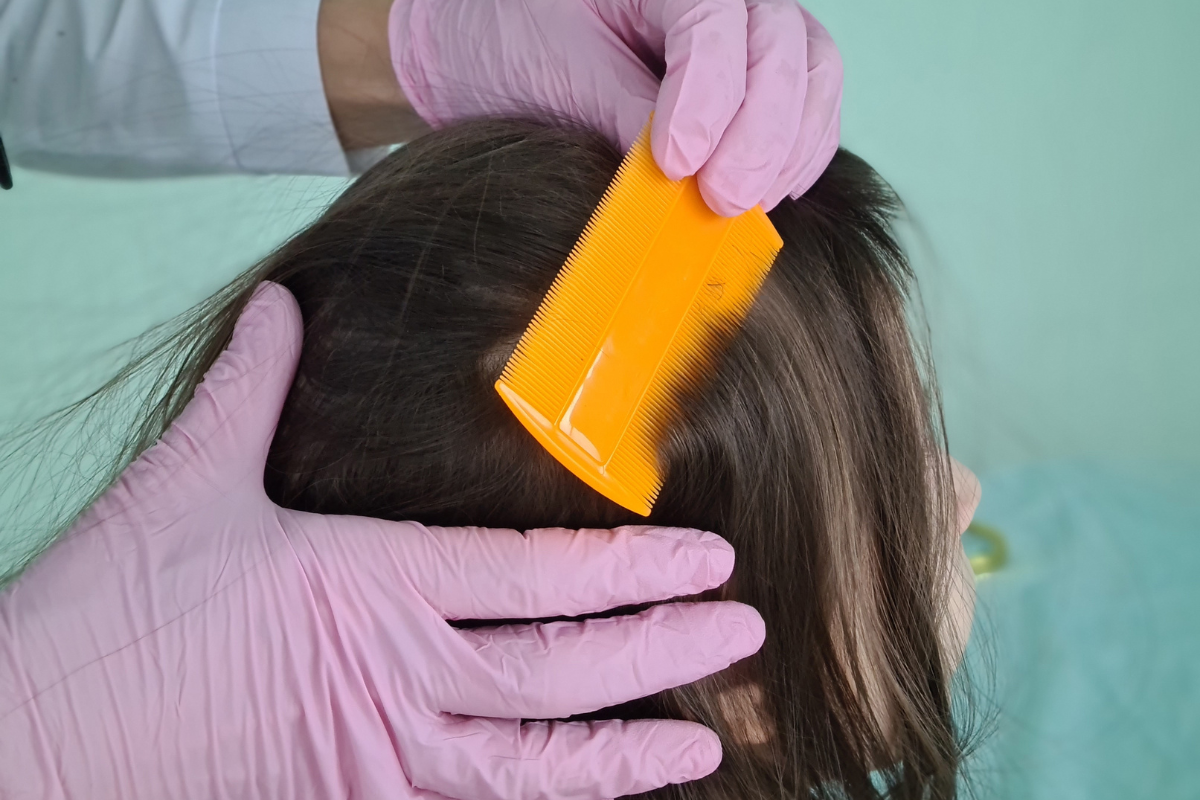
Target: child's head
813,449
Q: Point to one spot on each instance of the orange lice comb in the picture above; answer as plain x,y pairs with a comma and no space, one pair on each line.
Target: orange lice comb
650,291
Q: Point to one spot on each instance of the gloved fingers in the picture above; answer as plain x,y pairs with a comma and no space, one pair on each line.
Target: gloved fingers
225,431
820,123
501,759
477,573
558,669
705,79
755,147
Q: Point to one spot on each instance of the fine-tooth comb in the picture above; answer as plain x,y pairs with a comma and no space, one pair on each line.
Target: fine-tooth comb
655,285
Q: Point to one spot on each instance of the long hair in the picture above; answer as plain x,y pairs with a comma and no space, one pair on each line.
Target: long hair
813,449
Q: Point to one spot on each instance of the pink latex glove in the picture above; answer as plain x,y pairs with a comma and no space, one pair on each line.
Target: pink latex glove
190,639
750,100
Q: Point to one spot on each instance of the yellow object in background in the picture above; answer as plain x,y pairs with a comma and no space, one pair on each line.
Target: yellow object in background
991,548
653,287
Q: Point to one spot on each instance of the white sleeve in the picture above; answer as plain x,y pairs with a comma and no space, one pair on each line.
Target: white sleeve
162,87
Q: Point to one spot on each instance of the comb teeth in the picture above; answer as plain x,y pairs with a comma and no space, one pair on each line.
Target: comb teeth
573,316
650,291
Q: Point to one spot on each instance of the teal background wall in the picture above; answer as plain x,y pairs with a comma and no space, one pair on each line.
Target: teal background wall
1048,153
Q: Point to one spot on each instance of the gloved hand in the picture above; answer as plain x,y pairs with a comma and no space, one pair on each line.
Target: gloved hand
749,101
190,639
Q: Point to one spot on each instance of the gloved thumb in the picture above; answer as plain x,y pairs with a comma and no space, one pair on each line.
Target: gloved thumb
223,435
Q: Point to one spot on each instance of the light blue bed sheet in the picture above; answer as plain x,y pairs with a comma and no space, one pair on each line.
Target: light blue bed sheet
1094,630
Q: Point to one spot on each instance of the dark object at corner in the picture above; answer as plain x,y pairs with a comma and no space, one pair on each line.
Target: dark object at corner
5,174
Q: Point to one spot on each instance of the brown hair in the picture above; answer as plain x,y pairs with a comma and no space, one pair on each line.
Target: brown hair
810,449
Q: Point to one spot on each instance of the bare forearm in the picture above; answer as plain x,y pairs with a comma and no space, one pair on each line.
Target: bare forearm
367,104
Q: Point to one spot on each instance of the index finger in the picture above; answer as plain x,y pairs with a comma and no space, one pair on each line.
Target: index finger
705,80
480,573
757,143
